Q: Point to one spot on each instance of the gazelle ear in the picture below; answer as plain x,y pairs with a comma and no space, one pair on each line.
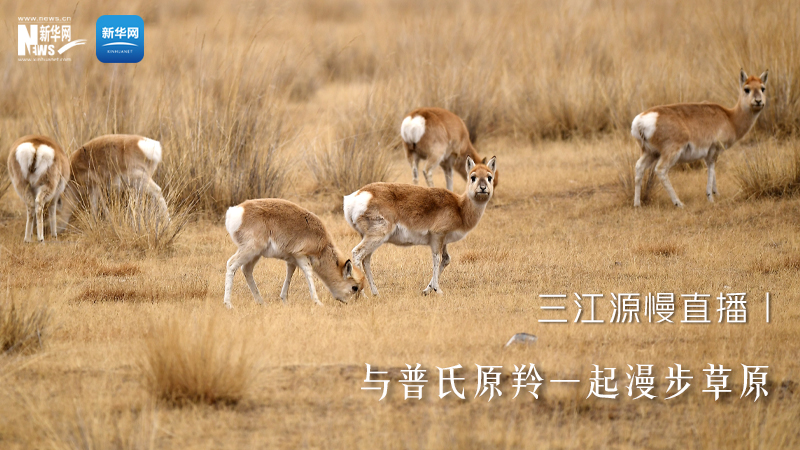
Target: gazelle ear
492,164
764,76
347,272
470,164
742,77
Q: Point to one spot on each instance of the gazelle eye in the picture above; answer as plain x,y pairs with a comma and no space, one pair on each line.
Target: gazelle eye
473,178
763,89
490,179
746,90
355,288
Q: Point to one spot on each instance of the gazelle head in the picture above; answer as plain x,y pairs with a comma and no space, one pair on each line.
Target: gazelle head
753,91
67,204
480,179
350,283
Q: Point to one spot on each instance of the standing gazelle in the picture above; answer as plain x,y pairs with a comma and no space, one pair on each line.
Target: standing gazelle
687,132
403,214
39,170
438,137
117,160
275,228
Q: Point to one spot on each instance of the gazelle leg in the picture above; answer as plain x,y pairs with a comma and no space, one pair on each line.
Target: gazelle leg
247,270
241,257
710,191
448,176
445,260
362,255
437,244
155,191
30,211
413,159
305,266
430,165
39,205
644,163
290,267
52,214
665,163
368,273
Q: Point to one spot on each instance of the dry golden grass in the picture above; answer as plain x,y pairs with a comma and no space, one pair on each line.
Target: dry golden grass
198,362
244,98
535,239
24,324
772,169
130,220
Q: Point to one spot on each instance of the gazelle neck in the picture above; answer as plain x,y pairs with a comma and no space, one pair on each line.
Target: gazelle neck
743,119
471,210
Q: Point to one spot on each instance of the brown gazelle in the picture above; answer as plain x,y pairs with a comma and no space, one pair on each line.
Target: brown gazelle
404,214
116,160
688,132
438,137
275,228
39,170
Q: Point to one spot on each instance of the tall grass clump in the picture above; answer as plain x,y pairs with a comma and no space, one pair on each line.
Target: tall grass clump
198,361
362,154
129,219
770,170
626,176
5,180
24,325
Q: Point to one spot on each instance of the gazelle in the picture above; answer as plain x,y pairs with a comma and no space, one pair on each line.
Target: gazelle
275,228
115,159
39,170
688,132
437,136
403,214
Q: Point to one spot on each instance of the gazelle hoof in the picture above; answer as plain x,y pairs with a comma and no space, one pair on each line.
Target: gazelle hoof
429,289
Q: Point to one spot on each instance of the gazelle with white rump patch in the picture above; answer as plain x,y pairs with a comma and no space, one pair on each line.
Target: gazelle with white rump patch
39,171
112,160
438,137
275,228
404,214
689,132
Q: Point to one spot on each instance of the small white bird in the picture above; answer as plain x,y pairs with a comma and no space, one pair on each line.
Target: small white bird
521,338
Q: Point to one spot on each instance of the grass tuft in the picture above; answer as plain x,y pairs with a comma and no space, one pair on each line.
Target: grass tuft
626,177
130,220
24,325
770,170
197,362
361,157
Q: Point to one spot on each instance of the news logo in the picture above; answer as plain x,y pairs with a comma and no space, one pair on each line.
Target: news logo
45,38
120,39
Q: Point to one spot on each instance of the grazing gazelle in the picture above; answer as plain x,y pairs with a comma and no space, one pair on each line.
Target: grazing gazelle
403,214
275,228
39,170
438,137
688,132
116,160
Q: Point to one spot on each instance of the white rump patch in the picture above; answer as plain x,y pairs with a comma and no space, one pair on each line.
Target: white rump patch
644,125
25,154
44,159
355,205
151,149
233,220
412,129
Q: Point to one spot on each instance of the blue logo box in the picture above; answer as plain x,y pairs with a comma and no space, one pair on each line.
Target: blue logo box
120,39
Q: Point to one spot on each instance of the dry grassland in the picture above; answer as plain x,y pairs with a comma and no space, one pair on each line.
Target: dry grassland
254,100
